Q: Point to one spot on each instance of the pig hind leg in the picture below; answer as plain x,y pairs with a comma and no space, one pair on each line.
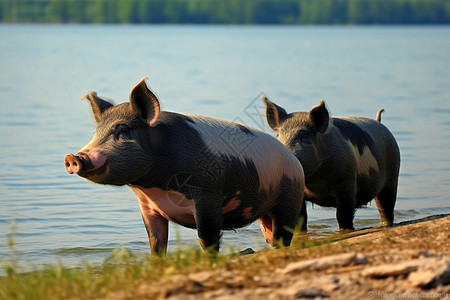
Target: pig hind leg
385,201
266,224
209,222
286,216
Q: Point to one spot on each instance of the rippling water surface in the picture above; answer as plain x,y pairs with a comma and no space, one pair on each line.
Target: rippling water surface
214,71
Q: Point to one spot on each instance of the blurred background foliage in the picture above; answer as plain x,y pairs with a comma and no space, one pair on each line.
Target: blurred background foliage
226,11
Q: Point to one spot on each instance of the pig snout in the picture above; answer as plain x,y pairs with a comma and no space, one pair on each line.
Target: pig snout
73,163
93,167
81,163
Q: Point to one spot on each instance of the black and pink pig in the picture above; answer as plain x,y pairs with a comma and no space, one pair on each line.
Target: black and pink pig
196,171
347,161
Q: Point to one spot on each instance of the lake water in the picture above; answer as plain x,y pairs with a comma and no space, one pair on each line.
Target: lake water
214,71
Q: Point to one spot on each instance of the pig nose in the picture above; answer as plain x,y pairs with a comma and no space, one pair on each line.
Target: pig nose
72,163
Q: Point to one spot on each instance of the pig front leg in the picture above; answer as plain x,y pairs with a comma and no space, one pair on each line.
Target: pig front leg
345,209
304,217
157,230
157,225
344,215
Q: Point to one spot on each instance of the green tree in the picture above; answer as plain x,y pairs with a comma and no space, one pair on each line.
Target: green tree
228,11
103,11
199,11
270,12
78,11
58,11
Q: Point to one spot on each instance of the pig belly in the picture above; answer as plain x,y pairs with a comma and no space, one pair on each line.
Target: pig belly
368,188
172,205
321,199
233,222
363,197
328,201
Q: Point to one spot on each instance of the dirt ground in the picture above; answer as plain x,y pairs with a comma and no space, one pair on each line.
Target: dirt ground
408,261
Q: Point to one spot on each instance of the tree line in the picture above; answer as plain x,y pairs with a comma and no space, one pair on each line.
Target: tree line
226,11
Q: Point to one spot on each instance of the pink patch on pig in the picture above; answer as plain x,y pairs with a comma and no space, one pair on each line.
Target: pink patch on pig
98,159
265,222
202,243
309,194
231,205
247,212
172,205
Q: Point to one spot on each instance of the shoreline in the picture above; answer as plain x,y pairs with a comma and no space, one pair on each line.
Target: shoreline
410,260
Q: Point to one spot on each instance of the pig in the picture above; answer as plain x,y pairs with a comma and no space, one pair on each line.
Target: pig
196,171
347,161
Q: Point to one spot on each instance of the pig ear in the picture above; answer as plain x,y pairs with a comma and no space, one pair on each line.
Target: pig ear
98,105
320,117
144,102
274,114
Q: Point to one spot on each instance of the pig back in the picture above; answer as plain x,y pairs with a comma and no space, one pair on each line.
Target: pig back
377,137
253,168
252,149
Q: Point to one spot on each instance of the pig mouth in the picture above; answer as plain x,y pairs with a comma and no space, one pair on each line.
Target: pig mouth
95,172
88,169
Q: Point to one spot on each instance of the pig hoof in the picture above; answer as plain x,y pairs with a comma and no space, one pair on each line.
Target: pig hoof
386,224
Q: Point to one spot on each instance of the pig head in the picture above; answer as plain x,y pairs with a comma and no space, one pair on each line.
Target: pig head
347,161
196,171
118,130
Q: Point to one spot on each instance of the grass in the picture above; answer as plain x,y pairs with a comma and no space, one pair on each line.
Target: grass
121,271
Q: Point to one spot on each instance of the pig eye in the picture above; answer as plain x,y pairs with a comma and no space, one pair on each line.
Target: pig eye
121,130
305,140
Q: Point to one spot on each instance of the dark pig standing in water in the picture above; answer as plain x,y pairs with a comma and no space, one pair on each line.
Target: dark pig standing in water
196,171
347,161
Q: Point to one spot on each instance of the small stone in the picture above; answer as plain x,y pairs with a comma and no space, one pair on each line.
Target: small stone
201,276
247,251
340,260
383,271
431,274
311,294
328,283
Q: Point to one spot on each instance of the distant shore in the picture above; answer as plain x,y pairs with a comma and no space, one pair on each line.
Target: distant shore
289,12
410,261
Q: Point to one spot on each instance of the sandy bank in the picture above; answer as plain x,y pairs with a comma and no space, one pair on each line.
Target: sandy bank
408,261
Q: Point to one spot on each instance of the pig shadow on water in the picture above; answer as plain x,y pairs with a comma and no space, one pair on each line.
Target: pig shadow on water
347,161
196,171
